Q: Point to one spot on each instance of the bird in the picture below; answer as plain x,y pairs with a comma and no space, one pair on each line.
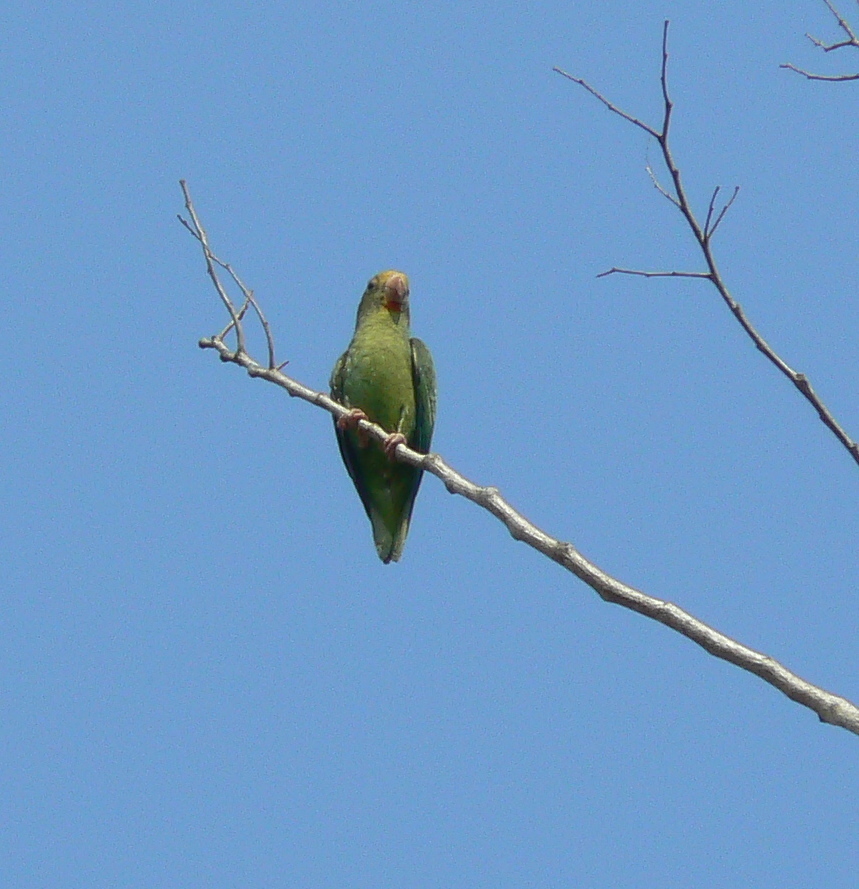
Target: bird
388,377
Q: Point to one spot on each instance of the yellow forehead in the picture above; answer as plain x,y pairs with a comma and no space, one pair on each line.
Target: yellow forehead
383,277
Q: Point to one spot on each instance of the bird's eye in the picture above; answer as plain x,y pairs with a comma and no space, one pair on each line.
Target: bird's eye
371,283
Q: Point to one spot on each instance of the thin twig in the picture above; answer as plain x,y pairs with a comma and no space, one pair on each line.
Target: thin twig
199,233
832,78
704,237
267,328
828,47
711,207
845,27
830,708
712,231
658,185
644,274
851,40
608,104
239,315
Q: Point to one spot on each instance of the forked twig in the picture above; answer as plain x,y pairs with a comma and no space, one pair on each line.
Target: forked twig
851,40
704,237
236,317
830,708
709,230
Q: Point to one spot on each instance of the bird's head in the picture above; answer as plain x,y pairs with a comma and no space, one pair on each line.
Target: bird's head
388,290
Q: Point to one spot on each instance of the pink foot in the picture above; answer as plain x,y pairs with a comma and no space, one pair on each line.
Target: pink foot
391,442
351,420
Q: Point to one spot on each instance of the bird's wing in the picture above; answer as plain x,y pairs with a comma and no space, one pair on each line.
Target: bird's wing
423,376
346,443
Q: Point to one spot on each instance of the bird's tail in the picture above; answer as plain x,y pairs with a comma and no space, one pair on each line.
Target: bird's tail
389,545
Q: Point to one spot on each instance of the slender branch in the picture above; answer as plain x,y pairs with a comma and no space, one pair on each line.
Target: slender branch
851,40
710,230
845,27
197,230
239,316
265,326
828,47
199,233
658,186
830,708
833,78
642,274
608,104
711,208
704,237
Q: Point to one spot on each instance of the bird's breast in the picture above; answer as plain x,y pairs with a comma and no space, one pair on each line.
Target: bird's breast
378,380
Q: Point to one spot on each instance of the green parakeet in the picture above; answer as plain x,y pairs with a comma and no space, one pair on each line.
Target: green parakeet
387,377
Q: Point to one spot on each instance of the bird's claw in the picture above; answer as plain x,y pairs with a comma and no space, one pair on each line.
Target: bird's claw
352,419
391,442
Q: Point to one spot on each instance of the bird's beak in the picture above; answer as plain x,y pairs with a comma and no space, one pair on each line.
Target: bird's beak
396,293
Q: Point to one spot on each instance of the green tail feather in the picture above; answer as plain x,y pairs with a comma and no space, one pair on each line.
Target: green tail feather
389,546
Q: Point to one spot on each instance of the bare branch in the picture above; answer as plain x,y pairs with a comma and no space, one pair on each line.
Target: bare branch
830,708
239,316
845,27
834,78
711,208
669,105
851,40
608,104
709,230
197,230
265,326
199,233
703,236
828,47
642,274
658,185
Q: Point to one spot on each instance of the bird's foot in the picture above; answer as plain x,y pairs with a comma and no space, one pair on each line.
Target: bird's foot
391,442
351,420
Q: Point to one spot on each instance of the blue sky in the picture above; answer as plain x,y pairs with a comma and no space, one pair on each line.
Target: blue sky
208,678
